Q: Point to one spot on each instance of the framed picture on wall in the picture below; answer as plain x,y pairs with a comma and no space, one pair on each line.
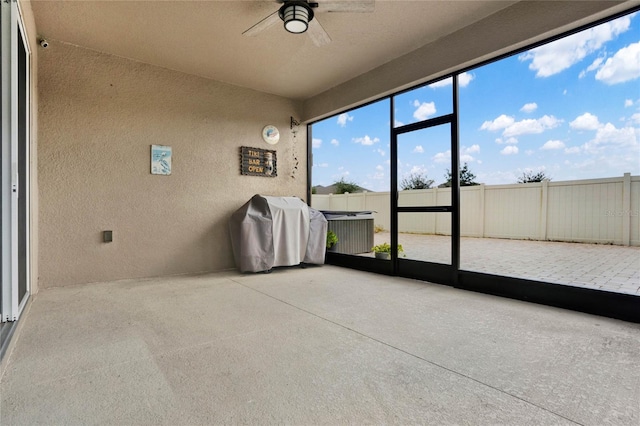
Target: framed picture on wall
160,160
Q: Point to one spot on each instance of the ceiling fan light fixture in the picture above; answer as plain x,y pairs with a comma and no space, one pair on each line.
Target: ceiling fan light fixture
296,16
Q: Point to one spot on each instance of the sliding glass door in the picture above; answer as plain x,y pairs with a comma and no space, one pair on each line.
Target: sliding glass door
14,164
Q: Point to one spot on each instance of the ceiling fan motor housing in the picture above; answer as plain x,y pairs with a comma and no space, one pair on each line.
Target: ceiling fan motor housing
296,16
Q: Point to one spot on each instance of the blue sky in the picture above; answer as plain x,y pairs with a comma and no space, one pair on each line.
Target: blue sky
570,108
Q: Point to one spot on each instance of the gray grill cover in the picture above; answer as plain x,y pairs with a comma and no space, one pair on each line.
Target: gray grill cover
276,231
317,245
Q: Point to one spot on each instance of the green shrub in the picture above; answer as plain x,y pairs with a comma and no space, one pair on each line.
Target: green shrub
332,239
385,248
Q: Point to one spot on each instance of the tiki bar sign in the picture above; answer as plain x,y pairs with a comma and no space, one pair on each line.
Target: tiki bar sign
257,162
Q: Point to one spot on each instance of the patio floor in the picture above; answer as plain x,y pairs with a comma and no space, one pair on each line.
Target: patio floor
322,345
599,266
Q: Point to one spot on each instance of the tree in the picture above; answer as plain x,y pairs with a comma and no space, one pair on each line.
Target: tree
416,181
343,186
467,178
314,190
529,177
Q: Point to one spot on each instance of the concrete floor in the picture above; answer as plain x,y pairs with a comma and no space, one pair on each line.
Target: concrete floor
322,345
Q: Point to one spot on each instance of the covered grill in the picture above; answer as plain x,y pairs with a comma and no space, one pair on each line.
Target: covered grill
277,231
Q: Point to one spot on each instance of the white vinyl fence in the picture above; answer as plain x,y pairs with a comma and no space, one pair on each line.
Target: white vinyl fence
605,211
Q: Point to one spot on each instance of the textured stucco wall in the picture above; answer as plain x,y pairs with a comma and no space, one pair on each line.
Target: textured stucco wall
99,114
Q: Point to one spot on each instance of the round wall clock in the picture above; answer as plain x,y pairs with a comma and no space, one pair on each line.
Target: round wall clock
270,134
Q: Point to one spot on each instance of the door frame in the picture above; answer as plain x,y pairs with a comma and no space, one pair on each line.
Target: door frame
12,240
429,271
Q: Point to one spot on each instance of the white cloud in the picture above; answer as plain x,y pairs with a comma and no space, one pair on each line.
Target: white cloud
463,81
509,150
529,152
553,144
635,118
379,167
530,107
465,153
398,123
472,149
343,118
443,157
424,110
418,149
418,170
614,146
594,66
561,54
532,126
622,67
499,123
335,142
465,78
316,143
442,83
572,150
609,136
586,121
366,140
628,103
322,165
381,152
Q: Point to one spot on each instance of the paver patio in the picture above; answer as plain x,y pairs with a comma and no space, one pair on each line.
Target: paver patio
598,266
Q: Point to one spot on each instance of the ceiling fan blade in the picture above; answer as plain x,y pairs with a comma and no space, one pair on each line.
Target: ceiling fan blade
318,35
346,6
263,25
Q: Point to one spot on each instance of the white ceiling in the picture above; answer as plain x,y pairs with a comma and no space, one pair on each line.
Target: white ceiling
205,37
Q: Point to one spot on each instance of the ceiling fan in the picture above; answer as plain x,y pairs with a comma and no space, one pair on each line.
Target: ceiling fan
298,15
